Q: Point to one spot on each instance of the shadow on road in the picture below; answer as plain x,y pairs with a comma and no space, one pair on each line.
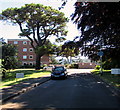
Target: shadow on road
78,91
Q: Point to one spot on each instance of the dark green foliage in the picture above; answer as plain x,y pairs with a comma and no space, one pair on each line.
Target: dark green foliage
97,67
74,66
99,25
53,60
8,50
9,61
69,49
111,58
47,48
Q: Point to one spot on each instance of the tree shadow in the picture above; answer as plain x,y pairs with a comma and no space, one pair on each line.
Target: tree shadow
82,85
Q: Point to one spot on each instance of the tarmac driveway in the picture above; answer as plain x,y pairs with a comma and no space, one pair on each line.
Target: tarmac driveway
79,90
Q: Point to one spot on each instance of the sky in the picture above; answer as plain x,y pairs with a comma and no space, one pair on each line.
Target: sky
8,31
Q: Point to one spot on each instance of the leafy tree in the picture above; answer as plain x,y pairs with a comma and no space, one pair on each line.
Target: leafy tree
60,39
63,4
2,40
69,49
53,60
111,58
47,48
37,23
99,25
9,61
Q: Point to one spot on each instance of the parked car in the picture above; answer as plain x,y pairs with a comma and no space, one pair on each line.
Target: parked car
59,72
48,68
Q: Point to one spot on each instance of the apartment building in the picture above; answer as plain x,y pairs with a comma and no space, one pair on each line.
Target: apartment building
26,53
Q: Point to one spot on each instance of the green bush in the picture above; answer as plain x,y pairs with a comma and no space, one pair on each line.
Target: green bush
45,65
74,66
97,67
67,65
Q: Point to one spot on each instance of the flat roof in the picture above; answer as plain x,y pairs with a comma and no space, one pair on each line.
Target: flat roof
18,40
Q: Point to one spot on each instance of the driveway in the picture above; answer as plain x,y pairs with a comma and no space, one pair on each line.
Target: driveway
79,90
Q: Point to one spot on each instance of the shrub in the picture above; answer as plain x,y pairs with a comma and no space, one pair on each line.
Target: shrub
67,65
97,67
74,66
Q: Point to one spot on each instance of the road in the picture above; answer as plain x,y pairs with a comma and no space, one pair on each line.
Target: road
79,90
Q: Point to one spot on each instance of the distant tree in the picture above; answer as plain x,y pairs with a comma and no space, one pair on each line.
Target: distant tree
2,40
47,48
60,39
9,61
53,60
37,23
63,4
69,49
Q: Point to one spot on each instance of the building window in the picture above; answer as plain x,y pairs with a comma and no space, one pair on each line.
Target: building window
24,56
31,63
31,57
15,42
24,42
24,49
24,63
31,49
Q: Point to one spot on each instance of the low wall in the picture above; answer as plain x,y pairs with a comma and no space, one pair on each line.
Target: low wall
86,65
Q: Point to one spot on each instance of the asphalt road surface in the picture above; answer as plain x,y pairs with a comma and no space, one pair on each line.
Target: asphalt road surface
79,90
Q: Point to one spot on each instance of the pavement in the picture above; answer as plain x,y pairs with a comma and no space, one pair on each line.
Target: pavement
12,91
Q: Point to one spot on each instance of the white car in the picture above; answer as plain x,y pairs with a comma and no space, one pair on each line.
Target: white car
48,68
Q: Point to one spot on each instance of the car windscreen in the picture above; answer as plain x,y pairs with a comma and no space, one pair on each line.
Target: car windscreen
59,69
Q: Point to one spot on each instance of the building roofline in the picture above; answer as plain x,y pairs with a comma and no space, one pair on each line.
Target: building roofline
18,40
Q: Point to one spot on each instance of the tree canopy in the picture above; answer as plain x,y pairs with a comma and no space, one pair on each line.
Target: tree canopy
37,23
100,29
68,49
9,61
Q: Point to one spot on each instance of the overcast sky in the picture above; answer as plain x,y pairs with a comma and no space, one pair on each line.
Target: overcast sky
8,31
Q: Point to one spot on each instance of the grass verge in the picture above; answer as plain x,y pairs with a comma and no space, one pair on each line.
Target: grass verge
28,74
109,78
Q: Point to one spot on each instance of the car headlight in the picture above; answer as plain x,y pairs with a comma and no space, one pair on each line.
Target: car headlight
62,74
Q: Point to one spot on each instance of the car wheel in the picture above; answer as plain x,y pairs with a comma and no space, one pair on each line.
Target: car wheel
52,78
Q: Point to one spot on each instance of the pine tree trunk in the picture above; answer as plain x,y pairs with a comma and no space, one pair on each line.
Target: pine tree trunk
67,60
4,74
70,60
38,62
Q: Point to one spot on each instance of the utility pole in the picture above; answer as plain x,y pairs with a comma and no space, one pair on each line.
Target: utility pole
100,53
101,72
